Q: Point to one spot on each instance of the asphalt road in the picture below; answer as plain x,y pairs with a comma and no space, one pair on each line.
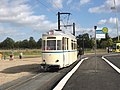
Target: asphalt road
37,80
95,74
115,59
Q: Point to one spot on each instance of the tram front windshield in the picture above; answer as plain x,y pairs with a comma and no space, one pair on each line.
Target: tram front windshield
51,45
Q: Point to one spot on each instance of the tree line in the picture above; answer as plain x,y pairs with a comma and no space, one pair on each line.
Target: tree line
83,41
87,41
9,43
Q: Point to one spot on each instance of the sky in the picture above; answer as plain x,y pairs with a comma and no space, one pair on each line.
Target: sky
22,19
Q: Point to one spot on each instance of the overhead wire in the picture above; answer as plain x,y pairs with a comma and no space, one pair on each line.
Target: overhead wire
64,17
45,6
53,12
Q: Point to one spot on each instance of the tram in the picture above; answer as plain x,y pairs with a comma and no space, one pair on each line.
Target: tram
59,49
116,47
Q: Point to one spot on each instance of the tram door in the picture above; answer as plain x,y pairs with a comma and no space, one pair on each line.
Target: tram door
65,51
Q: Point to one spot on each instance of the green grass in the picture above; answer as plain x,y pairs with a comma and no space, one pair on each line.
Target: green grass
26,52
97,51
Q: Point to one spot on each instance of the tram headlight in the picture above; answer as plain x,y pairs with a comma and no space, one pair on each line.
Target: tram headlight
57,60
44,62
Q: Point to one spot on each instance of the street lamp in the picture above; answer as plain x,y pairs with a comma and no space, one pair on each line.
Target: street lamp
116,18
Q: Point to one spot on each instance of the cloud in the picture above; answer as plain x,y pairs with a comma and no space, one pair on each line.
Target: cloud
17,20
19,13
57,3
69,2
105,7
112,28
82,2
110,21
102,22
77,4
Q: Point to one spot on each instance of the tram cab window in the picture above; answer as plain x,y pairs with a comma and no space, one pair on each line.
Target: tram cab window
58,44
51,44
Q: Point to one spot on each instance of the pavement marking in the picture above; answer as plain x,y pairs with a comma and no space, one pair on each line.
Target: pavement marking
111,64
61,84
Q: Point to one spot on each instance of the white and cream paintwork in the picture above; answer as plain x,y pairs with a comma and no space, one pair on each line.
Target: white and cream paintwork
65,48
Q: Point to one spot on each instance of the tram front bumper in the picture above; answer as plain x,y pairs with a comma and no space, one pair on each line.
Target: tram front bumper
47,67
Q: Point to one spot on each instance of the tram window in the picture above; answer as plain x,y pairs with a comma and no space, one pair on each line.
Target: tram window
75,45
58,44
114,46
51,37
117,47
63,43
72,45
43,45
67,44
51,44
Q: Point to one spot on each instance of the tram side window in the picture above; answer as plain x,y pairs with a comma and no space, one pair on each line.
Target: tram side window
114,46
58,44
64,43
117,47
67,43
72,46
51,44
75,46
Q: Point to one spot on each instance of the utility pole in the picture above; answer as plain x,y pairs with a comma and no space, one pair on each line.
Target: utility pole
95,27
115,8
74,29
59,19
116,19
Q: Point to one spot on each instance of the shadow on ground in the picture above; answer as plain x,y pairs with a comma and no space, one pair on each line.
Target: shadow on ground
32,68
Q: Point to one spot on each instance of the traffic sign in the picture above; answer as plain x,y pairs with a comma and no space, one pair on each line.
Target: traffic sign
105,30
100,34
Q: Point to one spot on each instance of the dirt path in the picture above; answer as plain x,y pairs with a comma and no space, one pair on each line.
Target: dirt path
14,69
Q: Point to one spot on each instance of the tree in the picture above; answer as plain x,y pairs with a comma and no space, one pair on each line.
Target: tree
110,42
8,43
104,44
32,43
17,44
39,43
84,41
24,44
79,41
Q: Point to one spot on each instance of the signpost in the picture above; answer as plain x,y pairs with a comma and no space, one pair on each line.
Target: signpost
98,35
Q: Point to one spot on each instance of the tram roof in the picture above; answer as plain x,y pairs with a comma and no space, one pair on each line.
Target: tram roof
60,33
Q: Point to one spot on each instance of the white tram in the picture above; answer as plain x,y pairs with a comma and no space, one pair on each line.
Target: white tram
59,49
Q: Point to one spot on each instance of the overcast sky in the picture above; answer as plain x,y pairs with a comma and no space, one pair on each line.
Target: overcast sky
21,19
